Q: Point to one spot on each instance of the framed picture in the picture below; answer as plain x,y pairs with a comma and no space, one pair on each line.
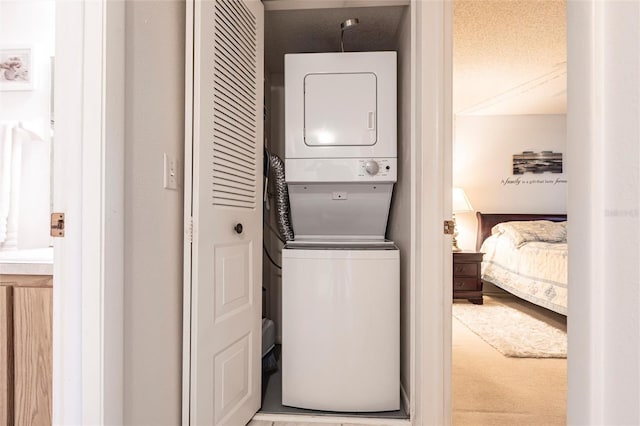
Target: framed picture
537,162
16,68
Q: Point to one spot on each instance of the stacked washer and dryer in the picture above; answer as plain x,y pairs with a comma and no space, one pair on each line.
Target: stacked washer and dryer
340,276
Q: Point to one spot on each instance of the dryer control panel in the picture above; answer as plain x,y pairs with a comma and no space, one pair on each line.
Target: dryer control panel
380,167
341,170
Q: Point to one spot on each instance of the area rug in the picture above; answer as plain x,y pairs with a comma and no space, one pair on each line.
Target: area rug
512,332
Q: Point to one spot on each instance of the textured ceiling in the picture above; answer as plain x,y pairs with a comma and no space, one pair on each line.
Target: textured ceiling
509,57
318,30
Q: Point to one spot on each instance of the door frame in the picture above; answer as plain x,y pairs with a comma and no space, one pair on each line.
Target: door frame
188,212
602,380
88,267
430,401
431,387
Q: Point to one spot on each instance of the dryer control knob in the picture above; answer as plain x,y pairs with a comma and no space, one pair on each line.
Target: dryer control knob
372,167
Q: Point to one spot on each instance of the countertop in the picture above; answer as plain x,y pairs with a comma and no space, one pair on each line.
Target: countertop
27,262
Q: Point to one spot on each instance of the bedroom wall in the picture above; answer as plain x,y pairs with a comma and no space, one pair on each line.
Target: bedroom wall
483,151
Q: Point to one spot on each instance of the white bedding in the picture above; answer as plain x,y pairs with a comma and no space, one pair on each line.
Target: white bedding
537,271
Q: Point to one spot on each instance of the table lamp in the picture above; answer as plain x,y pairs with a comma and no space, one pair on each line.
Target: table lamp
460,204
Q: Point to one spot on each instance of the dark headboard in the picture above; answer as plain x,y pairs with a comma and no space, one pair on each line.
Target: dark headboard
488,221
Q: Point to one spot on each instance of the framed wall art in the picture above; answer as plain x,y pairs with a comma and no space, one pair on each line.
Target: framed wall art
537,162
16,68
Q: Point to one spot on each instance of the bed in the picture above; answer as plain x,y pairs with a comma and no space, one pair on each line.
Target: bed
526,257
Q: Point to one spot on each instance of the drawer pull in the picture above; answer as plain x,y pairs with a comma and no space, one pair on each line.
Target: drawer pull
471,284
467,270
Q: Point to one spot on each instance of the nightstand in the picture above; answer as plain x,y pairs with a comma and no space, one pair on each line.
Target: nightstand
466,276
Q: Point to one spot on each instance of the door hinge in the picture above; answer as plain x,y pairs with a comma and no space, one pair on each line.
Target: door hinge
57,224
189,230
448,227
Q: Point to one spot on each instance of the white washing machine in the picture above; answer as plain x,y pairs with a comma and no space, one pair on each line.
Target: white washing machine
340,277
341,329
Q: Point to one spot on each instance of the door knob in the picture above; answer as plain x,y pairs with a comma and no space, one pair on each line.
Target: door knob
238,228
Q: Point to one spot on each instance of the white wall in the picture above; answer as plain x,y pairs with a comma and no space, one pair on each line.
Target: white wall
273,275
31,23
400,222
604,207
482,165
155,52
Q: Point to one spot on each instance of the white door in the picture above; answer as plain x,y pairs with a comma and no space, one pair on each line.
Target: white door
226,262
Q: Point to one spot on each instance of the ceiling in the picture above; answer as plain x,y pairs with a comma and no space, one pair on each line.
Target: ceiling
318,30
509,57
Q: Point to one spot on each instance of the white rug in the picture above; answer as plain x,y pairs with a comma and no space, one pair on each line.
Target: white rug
511,332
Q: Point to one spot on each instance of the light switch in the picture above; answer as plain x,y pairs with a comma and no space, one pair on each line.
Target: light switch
170,172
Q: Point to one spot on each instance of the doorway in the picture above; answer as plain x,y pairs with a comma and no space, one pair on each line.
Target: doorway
509,86
318,30
424,231
27,51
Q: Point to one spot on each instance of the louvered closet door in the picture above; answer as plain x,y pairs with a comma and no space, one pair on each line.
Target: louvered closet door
227,210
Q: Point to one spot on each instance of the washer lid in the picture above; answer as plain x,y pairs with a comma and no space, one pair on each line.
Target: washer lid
316,244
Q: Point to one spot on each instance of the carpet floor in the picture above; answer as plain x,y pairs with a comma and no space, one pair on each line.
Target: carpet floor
512,332
492,389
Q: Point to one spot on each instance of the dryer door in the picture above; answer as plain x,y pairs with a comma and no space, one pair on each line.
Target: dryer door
340,109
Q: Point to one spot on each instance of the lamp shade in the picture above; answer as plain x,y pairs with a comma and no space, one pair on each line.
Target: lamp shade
460,202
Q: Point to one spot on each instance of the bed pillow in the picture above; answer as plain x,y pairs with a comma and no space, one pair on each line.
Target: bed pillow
520,233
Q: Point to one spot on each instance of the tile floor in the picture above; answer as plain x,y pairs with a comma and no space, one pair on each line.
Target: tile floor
272,404
266,423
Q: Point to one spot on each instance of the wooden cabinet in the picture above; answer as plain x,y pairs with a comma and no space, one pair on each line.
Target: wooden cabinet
466,276
6,357
26,320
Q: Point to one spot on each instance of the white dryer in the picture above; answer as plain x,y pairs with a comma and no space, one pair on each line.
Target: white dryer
340,143
340,278
340,105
